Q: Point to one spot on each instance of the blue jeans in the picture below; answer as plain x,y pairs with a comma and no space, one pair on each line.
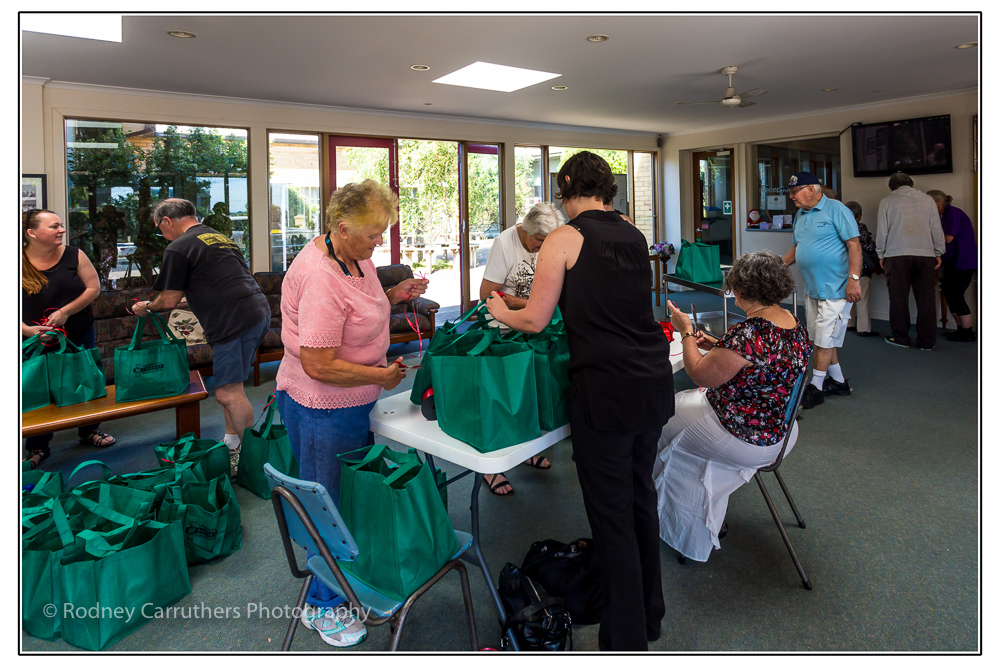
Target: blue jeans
317,437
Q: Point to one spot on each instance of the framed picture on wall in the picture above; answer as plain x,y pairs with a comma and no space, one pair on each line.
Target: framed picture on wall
33,194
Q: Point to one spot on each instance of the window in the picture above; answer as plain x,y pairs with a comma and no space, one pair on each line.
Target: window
775,165
617,160
528,184
294,191
116,172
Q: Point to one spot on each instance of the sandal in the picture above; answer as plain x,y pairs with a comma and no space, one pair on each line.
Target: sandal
539,462
36,456
498,483
98,439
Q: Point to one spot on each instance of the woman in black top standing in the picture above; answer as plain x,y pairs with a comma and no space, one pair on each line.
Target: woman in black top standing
621,393
58,284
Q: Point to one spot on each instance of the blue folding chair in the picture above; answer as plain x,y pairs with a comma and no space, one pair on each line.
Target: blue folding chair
791,412
307,516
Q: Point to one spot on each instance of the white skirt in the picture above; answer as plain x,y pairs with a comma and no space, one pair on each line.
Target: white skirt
698,464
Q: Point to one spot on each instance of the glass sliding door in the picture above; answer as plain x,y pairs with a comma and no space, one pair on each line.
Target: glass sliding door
483,177
617,160
294,194
713,195
529,183
354,159
644,195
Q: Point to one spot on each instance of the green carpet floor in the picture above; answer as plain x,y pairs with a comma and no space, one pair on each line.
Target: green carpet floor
887,481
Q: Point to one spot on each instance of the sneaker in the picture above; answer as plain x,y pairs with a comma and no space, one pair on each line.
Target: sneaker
811,397
893,341
336,626
831,386
234,462
926,349
961,336
867,334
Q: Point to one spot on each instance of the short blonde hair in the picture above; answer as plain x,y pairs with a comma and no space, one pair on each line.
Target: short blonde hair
361,206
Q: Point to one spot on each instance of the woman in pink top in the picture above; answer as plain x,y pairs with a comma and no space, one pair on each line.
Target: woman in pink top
335,329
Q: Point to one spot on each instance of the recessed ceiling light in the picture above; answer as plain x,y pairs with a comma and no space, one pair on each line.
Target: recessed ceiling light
428,104
829,90
598,38
181,34
560,87
968,45
876,91
105,27
495,77
420,68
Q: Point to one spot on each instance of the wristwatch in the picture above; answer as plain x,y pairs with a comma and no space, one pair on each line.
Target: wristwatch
853,276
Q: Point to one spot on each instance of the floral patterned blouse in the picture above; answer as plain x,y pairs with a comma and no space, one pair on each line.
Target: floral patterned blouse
752,405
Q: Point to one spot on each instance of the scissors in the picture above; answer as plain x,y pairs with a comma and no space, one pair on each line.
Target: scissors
694,316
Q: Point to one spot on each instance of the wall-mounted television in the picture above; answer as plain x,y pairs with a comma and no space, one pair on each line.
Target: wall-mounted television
914,146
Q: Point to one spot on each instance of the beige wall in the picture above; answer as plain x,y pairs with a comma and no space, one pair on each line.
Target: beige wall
45,107
676,168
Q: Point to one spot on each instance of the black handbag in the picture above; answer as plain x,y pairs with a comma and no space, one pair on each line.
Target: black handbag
870,266
568,571
538,621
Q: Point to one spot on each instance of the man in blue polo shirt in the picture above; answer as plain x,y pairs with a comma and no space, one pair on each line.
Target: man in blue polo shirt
826,246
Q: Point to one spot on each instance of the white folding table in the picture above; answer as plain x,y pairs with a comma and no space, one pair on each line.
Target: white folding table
396,418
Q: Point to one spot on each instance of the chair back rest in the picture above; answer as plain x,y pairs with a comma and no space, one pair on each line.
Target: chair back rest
320,509
791,411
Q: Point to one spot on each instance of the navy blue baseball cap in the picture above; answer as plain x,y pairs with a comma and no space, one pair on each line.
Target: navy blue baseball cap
802,178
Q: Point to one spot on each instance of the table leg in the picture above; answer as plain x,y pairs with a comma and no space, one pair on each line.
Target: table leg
474,555
188,418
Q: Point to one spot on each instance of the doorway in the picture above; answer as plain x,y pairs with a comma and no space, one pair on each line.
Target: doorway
713,197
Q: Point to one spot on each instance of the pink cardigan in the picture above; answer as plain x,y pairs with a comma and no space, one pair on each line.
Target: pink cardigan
321,306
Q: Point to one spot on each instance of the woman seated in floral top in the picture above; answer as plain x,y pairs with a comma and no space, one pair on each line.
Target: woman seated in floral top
734,424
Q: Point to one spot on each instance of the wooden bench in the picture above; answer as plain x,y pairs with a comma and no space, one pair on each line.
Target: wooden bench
187,407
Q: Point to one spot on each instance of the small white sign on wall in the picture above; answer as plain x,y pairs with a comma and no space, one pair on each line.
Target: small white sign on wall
775,203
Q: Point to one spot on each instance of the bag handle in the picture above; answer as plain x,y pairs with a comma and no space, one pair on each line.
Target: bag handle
268,414
164,331
374,453
103,511
480,347
401,471
186,441
107,470
158,323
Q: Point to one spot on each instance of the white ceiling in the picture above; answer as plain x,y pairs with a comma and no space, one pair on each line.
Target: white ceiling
627,83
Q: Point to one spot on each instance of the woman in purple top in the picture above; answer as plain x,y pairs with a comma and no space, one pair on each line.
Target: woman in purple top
721,435
959,263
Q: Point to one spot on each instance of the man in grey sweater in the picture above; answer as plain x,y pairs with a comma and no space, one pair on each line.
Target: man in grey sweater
909,243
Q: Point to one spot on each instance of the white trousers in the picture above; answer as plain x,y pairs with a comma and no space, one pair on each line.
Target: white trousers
698,464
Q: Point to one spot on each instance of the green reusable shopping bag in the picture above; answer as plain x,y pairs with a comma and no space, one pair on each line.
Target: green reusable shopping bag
43,543
271,445
75,374
153,368
550,356
209,458
488,396
46,539
699,262
391,505
136,573
34,375
156,481
40,483
447,337
210,516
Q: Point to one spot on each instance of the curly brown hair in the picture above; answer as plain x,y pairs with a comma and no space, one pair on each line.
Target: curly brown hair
362,205
760,276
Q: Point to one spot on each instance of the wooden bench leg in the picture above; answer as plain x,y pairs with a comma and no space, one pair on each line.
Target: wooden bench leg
189,419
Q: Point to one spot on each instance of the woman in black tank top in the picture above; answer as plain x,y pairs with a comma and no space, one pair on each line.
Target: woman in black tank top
58,284
621,389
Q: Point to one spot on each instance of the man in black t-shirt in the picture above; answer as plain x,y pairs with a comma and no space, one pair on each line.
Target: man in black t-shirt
208,269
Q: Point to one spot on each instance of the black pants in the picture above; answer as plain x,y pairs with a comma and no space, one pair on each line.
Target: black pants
616,476
902,274
953,286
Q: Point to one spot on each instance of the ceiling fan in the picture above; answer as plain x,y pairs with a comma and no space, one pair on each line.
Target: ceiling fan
730,100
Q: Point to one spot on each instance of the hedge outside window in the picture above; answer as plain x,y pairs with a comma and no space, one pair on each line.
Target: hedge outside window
117,171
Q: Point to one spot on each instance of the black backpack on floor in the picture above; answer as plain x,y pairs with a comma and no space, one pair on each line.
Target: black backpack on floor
568,571
538,621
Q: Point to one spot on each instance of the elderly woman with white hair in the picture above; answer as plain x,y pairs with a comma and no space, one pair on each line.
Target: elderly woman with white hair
509,271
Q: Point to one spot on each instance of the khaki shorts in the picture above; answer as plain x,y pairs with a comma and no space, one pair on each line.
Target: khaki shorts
826,321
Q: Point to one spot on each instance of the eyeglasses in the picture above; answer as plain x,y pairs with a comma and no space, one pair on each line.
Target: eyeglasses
792,193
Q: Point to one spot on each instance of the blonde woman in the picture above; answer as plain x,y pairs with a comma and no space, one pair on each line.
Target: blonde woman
58,284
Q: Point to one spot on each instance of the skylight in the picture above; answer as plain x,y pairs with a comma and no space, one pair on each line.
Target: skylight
495,77
105,27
